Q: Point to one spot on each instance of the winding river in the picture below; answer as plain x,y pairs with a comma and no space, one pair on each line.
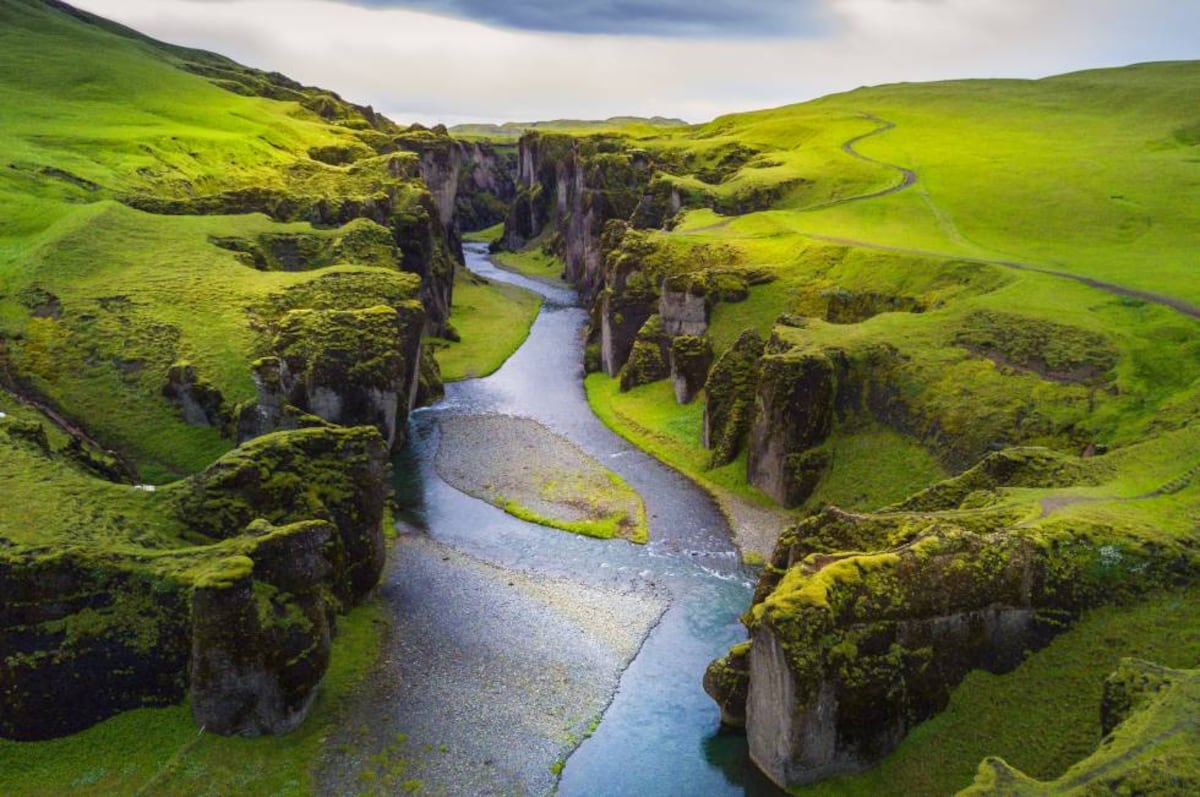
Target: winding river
456,631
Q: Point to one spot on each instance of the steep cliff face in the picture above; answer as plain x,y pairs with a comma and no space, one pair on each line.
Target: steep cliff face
862,625
242,622
334,357
348,367
569,188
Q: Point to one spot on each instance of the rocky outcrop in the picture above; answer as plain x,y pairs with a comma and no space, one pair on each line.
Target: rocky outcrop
691,358
726,681
729,398
847,654
200,402
862,625
261,639
684,307
802,393
649,358
285,531
793,413
570,188
348,367
627,303
83,639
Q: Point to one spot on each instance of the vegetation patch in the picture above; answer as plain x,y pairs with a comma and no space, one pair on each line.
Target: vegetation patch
535,475
491,320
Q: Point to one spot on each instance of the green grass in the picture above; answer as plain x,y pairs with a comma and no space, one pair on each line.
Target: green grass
160,751
493,321
649,417
139,291
872,468
1041,718
486,235
532,262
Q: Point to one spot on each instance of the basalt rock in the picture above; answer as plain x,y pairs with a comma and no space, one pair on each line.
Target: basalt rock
240,619
573,187
200,402
802,394
261,639
83,639
793,413
627,303
349,367
691,358
727,681
648,360
863,624
729,398
684,308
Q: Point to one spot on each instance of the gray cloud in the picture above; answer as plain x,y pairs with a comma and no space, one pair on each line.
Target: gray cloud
671,18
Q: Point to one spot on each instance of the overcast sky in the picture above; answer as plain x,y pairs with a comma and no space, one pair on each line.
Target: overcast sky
524,60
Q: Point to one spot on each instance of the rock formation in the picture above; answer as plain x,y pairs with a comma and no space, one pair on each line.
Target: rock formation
862,625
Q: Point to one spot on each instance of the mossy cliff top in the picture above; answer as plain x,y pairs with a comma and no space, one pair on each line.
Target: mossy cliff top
102,580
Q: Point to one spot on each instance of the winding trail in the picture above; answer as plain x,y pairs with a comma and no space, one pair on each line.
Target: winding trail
909,179
1178,305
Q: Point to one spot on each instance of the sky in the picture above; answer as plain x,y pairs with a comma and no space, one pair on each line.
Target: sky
458,61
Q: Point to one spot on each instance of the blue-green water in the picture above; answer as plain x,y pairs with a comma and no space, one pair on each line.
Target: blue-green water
661,734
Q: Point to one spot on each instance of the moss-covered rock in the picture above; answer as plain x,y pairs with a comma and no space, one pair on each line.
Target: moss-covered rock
862,624
430,388
349,367
1056,352
691,358
793,413
1151,747
648,360
200,402
729,397
727,681
261,639
337,475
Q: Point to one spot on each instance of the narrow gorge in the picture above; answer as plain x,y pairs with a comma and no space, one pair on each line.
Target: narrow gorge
846,447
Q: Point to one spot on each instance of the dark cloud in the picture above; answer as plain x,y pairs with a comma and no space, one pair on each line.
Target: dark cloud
675,18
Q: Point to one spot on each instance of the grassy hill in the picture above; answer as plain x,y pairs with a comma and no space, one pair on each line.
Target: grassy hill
164,206
513,130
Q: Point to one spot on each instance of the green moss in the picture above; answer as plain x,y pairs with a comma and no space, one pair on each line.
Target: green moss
729,397
160,751
360,347
1043,717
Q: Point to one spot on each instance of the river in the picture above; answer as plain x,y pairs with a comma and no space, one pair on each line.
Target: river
442,681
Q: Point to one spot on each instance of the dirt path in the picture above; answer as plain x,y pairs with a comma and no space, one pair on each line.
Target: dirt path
1178,305
908,177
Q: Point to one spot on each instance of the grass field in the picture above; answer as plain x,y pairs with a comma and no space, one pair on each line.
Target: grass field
493,320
